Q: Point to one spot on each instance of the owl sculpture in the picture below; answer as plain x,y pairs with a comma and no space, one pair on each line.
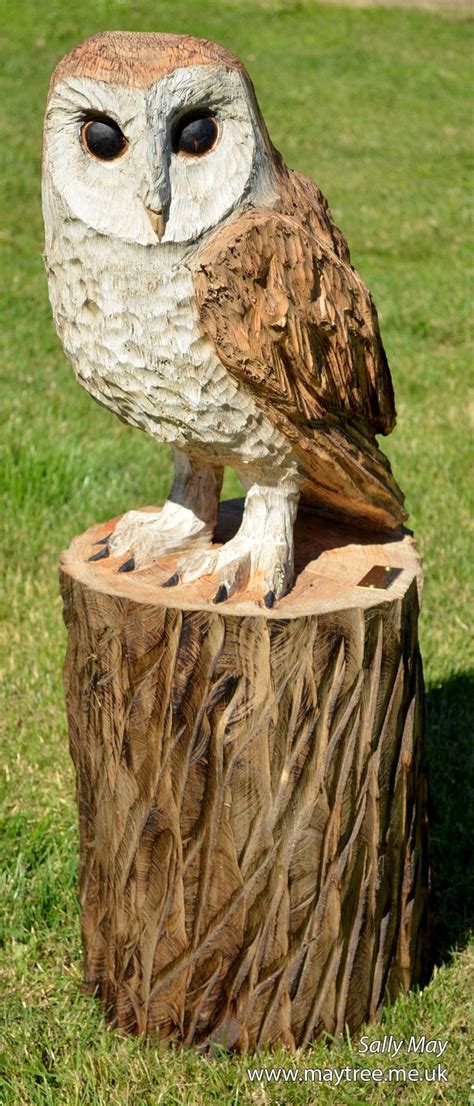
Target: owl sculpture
203,293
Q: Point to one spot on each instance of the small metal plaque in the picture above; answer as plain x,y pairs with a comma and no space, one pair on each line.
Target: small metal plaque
379,576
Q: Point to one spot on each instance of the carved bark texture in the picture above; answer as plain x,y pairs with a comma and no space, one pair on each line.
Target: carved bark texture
251,799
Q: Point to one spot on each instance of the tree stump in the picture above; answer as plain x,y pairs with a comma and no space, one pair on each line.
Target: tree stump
251,790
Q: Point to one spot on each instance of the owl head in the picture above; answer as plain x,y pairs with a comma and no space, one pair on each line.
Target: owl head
152,138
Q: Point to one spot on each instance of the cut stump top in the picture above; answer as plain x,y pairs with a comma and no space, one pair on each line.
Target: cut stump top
331,561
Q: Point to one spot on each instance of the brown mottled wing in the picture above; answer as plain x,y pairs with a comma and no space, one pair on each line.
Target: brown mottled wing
300,197
295,324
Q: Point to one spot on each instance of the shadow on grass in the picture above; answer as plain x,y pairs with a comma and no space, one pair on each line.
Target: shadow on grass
449,717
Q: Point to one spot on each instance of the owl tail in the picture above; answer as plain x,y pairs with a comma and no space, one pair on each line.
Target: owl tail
349,476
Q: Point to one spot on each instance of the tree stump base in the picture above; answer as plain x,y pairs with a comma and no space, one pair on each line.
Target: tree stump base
251,790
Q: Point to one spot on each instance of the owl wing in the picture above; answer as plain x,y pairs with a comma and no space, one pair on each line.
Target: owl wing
294,323
300,197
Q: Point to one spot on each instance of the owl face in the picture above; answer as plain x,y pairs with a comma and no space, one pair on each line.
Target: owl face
164,163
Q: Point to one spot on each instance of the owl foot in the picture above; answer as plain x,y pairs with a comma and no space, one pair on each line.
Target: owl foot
144,536
259,557
188,518
240,563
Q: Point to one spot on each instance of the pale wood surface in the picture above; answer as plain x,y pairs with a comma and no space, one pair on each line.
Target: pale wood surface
251,793
330,561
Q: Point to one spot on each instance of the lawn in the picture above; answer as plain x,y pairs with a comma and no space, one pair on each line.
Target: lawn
373,105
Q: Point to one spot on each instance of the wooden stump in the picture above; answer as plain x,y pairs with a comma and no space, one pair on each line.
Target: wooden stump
251,790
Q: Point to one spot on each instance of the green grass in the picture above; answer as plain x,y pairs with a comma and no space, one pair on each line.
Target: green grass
373,105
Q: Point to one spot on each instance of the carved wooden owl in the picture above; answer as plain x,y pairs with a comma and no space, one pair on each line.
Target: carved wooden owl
203,293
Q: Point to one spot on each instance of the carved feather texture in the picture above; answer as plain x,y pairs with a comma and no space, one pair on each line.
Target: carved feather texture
295,324
250,291
301,198
138,59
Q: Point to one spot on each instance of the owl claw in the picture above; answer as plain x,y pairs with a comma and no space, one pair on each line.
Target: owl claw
128,566
171,583
103,541
232,569
100,555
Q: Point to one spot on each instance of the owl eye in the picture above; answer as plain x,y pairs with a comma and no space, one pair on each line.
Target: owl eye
196,134
103,139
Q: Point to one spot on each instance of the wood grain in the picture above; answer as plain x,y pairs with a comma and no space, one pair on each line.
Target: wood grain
252,800
241,334
295,324
138,59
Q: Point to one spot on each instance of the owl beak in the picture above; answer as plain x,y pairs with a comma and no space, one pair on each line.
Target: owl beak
157,221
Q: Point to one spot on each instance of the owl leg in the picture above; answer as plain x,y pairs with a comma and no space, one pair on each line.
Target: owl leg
260,555
187,518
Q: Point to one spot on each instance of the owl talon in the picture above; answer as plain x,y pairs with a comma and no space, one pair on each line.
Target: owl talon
103,541
221,594
269,599
128,566
100,555
171,583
